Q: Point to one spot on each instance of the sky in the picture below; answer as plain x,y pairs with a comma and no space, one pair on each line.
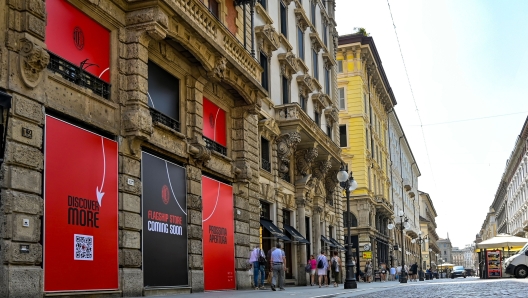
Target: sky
465,59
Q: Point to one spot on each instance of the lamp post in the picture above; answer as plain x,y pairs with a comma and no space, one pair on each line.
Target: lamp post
404,224
420,240
349,184
430,260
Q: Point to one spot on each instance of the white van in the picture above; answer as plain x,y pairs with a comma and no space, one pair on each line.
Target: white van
517,265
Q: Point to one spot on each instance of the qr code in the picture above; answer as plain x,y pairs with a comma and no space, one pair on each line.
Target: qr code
83,247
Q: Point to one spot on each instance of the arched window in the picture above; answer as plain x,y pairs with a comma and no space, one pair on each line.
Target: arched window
349,221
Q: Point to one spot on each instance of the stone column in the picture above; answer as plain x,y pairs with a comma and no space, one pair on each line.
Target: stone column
317,229
302,279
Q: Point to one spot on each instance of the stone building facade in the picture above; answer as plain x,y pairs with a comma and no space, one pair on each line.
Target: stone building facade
428,227
177,89
365,101
445,250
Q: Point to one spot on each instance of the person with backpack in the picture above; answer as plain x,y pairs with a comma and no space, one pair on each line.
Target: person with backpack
335,265
322,266
257,259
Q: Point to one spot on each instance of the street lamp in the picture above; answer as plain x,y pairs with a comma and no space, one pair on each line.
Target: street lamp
404,224
348,182
430,260
420,240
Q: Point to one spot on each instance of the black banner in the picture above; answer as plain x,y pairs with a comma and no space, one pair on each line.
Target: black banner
164,223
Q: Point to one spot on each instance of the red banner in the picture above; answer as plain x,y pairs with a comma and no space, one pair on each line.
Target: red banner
75,37
214,126
80,209
218,235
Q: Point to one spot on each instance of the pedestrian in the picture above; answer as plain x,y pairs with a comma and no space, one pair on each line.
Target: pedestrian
414,270
322,266
336,264
270,266
258,262
383,272
313,266
368,271
392,273
278,259
398,272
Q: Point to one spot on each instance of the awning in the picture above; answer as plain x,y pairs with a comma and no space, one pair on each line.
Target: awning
268,225
297,237
337,244
328,242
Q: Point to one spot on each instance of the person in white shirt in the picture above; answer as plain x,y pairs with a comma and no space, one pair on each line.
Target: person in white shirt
257,267
398,272
392,273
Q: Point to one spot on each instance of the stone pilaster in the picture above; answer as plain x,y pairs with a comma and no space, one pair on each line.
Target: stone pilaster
302,279
194,229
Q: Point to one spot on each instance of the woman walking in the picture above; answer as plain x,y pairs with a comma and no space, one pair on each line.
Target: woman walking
313,266
322,266
336,264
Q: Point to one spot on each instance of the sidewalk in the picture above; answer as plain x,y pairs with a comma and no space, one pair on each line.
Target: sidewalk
298,291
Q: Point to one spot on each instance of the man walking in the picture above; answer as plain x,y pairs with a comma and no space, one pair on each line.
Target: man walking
257,266
278,261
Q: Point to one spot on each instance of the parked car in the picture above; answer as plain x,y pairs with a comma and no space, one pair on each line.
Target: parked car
458,271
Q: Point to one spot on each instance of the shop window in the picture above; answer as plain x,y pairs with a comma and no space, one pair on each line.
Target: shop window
265,211
265,154
283,19
214,127
79,47
163,96
342,136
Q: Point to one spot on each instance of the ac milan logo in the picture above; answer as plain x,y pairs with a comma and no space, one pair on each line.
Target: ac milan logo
78,38
211,120
165,194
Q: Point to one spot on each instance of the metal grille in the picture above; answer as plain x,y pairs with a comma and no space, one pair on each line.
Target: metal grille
266,165
214,146
158,117
75,74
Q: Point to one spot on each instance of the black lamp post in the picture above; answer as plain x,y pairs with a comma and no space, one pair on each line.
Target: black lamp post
348,182
404,224
420,240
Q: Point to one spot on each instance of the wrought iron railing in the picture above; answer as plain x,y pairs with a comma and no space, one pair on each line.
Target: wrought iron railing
285,176
214,146
158,117
77,75
266,165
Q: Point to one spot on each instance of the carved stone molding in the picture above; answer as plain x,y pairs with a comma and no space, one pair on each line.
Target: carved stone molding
288,64
267,38
302,19
304,159
33,60
219,69
332,114
317,210
317,43
199,152
269,128
320,100
301,202
329,60
321,168
286,145
331,183
306,85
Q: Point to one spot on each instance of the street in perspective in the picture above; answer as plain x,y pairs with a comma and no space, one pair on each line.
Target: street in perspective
263,148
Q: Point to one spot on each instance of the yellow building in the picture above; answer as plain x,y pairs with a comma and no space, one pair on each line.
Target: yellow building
365,99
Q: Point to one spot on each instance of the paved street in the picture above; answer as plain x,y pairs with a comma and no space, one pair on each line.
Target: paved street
469,287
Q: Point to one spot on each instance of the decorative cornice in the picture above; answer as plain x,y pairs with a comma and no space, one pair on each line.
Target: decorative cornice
328,60
288,64
269,128
317,43
320,100
302,65
332,114
302,19
267,38
306,85
261,11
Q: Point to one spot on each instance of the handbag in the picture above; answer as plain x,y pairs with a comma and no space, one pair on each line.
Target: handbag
308,268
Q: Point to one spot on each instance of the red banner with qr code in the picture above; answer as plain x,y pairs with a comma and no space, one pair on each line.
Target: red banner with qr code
80,209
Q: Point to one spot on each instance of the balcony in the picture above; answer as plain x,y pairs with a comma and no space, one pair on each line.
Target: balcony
214,146
77,75
158,117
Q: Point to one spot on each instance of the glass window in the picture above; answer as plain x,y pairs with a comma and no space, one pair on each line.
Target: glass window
340,66
325,35
163,91
341,94
300,42
285,90
264,75
342,136
213,7
283,19
302,100
329,131
315,61
263,3
265,154
313,12
317,118
327,81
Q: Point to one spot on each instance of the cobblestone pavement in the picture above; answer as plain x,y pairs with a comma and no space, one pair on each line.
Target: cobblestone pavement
449,288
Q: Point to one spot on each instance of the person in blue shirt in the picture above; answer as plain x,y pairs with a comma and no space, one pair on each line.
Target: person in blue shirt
278,264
